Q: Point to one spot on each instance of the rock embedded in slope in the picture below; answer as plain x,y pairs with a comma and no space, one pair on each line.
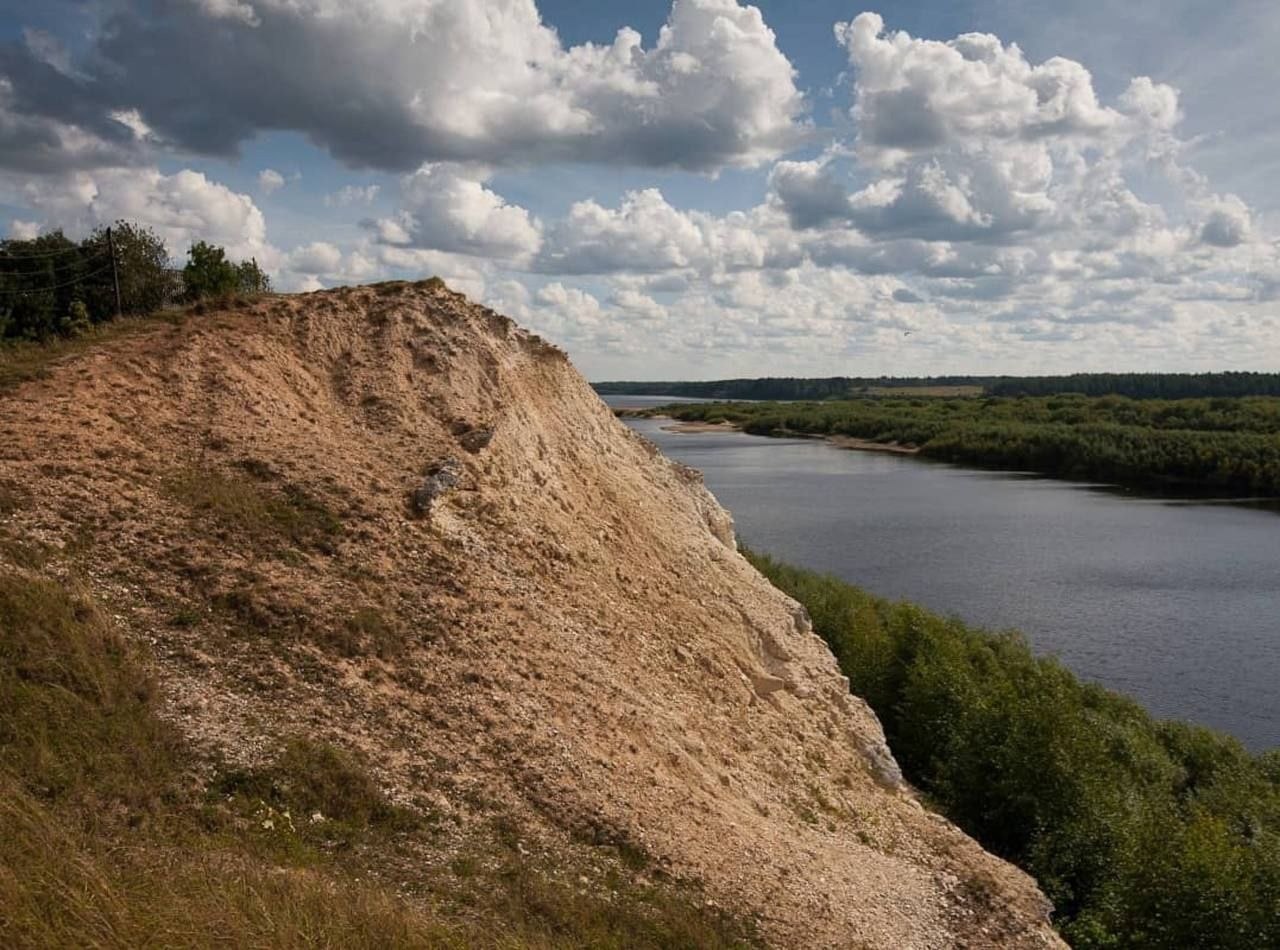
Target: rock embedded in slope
476,440
442,477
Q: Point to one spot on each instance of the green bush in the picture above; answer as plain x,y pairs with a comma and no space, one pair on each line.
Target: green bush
208,272
1144,834
251,279
51,286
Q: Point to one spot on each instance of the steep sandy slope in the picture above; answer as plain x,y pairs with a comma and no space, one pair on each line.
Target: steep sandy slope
565,634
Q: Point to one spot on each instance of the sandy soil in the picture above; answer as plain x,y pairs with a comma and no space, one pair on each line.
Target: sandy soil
580,645
843,441
866,445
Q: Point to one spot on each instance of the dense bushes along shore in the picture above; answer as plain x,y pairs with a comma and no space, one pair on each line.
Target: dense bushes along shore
1144,834
1135,385
1221,444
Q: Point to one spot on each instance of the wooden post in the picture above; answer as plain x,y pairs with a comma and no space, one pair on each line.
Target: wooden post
115,273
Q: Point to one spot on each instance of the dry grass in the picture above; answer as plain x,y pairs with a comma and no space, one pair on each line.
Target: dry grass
75,711
107,841
11,498
62,887
22,361
250,508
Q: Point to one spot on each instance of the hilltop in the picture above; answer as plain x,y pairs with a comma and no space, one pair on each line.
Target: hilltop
388,522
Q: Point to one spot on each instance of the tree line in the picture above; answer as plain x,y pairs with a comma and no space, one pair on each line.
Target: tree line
830,387
1225,445
1133,385
53,286
1144,834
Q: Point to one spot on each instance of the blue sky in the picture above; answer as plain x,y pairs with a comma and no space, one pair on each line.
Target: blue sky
790,188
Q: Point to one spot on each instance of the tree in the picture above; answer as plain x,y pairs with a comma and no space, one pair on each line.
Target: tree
146,278
38,281
252,279
147,282
208,272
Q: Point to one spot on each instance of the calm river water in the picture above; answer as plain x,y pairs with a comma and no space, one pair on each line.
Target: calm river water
1174,603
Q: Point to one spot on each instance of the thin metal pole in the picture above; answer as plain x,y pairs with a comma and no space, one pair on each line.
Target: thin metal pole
115,273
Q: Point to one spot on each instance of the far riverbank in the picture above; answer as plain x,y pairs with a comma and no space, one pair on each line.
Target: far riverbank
840,441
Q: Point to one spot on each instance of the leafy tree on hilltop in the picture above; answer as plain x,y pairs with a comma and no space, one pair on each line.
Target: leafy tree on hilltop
147,282
251,278
208,272
39,278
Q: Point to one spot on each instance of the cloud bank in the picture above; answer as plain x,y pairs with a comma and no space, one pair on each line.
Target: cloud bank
974,210
391,84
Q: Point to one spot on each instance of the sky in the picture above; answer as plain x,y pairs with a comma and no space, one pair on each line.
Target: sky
700,188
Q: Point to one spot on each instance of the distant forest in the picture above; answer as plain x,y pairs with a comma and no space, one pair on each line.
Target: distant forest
1133,385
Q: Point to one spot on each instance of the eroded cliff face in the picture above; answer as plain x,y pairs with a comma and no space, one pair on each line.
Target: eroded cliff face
513,604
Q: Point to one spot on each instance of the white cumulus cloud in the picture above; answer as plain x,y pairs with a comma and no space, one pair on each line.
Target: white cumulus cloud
182,208
270,180
394,84
449,208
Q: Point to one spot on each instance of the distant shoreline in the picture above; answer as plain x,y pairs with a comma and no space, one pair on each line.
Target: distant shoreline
840,441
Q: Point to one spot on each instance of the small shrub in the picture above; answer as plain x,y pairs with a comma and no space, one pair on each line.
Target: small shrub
368,632
315,778
77,321
208,272
239,505
11,498
186,617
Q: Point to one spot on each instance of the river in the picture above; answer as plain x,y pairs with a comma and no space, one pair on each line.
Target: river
1175,603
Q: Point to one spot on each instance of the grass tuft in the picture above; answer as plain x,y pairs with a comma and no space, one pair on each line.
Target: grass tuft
368,632
75,711
11,498
239,505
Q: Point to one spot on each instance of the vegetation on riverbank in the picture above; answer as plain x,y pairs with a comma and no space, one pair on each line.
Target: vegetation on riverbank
1143,833
1230,446
1133,385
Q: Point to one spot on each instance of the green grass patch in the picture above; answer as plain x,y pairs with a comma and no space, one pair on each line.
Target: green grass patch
264,514
321,791
368,632
27,554
75,712
11,498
